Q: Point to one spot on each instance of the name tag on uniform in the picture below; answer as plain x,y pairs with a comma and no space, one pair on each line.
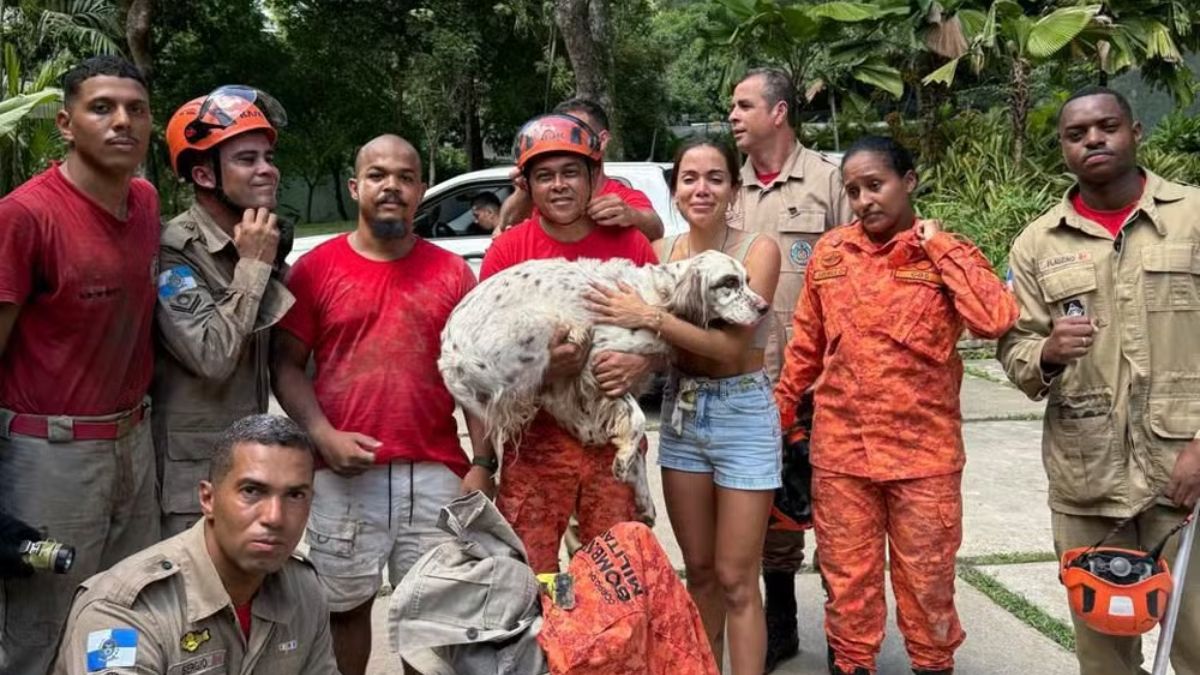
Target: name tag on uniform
212,662
832,273
927,276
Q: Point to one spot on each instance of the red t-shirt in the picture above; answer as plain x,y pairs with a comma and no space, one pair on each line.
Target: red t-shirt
1112,221
635,198
243,617
85,282
766,178
528,241
375,332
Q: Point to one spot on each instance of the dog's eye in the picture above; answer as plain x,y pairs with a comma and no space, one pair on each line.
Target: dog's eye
730,281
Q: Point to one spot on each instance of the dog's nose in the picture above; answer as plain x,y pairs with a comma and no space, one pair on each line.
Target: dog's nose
761,306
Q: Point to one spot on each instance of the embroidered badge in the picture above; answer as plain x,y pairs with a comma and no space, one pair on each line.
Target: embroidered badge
800,252
112,648
192,640
823,275
289,646
175,281
831,259
1073,307
188,304
1010,281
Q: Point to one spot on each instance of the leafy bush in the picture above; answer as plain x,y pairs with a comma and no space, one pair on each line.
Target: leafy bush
1178,132
977,189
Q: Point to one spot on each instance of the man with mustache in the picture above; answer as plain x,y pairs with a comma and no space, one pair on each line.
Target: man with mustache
370,308
559,156
792,195
78,251
219,291
1108,281
227,595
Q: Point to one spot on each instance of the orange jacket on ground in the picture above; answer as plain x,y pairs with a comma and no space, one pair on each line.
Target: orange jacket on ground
632,614
875,330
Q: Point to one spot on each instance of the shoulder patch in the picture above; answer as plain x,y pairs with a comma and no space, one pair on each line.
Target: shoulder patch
111,648
174,281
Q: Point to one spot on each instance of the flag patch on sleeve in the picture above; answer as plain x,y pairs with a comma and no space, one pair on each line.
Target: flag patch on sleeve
112,648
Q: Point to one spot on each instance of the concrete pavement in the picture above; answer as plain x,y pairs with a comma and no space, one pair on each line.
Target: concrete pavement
1005,514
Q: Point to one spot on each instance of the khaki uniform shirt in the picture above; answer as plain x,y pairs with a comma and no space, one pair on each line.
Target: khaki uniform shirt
804,200
213,314
1116,418
165,611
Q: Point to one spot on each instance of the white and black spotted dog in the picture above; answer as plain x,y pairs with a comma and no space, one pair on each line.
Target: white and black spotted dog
495,347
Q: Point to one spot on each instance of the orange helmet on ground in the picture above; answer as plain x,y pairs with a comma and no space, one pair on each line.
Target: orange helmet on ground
555,133
229,111
1116,591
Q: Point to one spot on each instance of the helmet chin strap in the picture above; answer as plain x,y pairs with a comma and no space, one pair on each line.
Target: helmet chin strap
219,191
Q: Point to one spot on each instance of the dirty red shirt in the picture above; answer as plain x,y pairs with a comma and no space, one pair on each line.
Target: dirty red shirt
528,241
875,332
85,282
375,332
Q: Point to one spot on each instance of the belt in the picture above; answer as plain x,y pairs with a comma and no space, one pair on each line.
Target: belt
63,428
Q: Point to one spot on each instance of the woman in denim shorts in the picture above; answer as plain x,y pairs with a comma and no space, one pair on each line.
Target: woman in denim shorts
720,439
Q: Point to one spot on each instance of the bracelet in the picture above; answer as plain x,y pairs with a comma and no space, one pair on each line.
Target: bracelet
490,463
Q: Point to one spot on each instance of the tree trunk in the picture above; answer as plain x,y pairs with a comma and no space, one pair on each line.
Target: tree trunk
336,173
833,118
432,159
312,187
586,32
137,33
473,137
1019,107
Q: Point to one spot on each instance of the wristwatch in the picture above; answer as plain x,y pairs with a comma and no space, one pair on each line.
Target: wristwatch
492,463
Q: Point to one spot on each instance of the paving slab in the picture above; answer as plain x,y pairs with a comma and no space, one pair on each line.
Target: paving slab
1004,489
984,399
1038,584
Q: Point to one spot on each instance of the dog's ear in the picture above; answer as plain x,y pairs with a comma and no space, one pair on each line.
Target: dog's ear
688,297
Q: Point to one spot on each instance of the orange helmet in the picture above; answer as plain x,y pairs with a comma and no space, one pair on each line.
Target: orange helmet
557,132
1116,591
232,110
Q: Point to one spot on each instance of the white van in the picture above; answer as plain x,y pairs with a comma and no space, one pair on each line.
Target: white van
445,214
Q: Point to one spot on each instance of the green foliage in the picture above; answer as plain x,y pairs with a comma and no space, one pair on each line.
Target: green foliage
1178,132
979,190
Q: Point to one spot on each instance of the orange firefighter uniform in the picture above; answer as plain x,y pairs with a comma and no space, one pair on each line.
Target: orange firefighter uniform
875,332
551,475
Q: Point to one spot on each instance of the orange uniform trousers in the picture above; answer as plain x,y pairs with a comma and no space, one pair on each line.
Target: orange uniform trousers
549,476
915,525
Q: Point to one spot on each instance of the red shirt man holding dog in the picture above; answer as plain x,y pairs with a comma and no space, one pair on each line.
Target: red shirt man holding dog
559,157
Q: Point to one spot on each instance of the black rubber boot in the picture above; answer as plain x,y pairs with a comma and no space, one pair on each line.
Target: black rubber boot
783,635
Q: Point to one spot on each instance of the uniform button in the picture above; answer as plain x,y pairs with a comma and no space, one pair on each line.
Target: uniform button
166,564
472,634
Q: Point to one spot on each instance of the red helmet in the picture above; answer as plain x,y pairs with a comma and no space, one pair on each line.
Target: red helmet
229,111
555,133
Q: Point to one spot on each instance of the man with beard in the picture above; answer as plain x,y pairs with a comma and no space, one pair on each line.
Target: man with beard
370,308
218,291
78,247
1109,290
168,609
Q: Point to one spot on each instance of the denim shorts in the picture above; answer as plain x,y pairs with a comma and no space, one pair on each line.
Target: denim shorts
728,427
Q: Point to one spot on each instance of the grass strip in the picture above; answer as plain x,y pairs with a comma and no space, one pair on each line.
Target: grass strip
1014,558
1016,604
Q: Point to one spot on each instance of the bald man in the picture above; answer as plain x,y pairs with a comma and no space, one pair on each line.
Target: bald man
370,307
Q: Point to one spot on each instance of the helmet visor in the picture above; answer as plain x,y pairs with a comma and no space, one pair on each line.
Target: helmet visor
224,105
